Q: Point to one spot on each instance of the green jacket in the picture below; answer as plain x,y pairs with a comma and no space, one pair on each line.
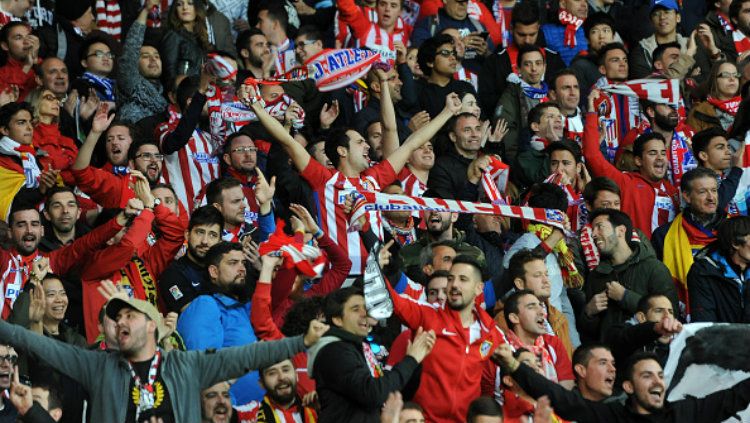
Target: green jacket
107,379
641,274
515,110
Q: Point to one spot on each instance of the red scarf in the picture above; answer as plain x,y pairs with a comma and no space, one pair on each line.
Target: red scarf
727,106
572,23
109,17
538,349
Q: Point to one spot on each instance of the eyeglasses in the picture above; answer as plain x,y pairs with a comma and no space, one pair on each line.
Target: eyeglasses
245,150
12,359
50,97
447,53
102,54
150,156
727,75
301,44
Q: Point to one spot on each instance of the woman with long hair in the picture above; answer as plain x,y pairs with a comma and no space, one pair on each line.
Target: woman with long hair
722,101
186,41
59,151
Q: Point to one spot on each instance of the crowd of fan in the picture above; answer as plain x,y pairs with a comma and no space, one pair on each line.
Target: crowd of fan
184,235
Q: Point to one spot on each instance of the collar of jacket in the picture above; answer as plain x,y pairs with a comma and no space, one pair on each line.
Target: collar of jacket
638,255
456,155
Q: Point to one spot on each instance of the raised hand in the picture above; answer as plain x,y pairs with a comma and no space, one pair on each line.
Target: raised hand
314,332
669,326
305,218
596,304
250,251
453,103
543,412
329,114
33,52
384,256
101,119
143,189
419,120
90,105
264,191
593,96
37,304
9,95
392,408
20,394
738,156
109,290
501,129
503,356
39,269
170,321
133,208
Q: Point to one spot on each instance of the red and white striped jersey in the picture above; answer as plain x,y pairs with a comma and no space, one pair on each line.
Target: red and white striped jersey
109,17
371,35
6,18
193,166
411,185
574,128
343,33
226,115
466,75
332,188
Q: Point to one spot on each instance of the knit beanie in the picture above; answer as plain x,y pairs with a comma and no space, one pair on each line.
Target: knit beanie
71,9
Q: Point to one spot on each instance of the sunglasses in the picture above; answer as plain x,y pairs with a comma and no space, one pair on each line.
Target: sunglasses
447,53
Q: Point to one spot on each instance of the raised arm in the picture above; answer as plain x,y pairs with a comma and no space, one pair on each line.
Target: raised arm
100,124
426,133
249,95
260,313
387,115
131,51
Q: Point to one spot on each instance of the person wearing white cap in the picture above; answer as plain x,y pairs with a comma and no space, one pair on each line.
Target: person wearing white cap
142,381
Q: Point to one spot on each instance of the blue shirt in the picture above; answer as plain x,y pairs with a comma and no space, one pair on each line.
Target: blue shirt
218,321
554,36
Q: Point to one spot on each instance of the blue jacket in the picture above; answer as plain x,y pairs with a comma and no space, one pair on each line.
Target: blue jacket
199,327
554,35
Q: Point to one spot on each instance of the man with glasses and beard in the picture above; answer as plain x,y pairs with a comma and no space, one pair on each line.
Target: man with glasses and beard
8,359
221,317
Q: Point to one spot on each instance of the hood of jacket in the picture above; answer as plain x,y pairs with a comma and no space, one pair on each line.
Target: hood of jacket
334,334
649,44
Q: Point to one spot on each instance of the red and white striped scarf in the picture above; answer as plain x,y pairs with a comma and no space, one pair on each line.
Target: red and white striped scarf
109,17
729,106
539,349
495,180
572,23
590,252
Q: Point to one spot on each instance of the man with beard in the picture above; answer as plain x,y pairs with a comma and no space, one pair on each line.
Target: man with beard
62,211
17,263
142,381
255,55
645,387
189,154
525,25
626,273
281,400
664,120
444,396
220,318
647,197
186,278
227,194
130,260
439,229
240,158
216,404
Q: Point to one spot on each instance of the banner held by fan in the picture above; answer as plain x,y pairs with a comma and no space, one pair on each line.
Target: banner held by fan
331,69
375,201
660,91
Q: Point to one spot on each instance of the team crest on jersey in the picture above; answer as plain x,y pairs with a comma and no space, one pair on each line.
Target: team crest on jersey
485,348
176,293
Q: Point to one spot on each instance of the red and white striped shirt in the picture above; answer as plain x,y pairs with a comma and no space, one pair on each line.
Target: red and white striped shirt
466,75
193,166
332,187
371,35
226,115
574,128
109,17
343,33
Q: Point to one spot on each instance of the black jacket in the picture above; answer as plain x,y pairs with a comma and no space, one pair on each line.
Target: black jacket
497,67
432,96
181,283
717,293
346,389
181,54
448,177
570,405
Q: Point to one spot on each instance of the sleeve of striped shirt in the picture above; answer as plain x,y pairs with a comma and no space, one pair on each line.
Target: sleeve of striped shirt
316,174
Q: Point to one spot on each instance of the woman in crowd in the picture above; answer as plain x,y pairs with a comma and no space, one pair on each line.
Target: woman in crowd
722,101
59,151
186,41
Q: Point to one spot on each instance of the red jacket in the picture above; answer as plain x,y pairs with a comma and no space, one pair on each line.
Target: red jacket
12,74
451,374
104,187
483,15
15,268
638,193
134,259
60,150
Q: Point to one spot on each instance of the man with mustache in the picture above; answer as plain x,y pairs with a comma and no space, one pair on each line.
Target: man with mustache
280,383
216,404
627,271
647,197
187,277
664,120
221,317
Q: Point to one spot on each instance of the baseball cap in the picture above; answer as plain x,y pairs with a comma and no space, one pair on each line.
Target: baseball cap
664,4
116,304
